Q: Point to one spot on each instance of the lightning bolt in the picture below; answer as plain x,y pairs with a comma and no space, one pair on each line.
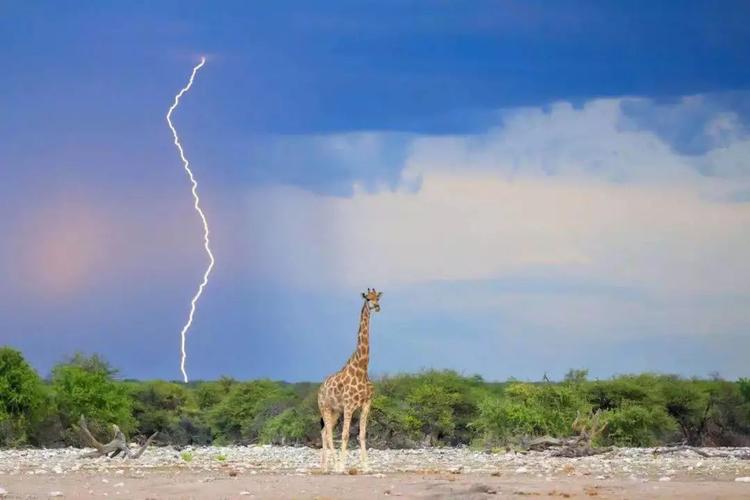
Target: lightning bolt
197,205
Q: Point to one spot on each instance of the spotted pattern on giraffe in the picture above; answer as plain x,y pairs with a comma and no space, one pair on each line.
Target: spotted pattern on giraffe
349,390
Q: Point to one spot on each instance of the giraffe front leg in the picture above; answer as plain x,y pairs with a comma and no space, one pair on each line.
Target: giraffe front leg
344,439
363,436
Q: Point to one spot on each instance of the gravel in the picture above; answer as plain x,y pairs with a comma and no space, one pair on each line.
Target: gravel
639,464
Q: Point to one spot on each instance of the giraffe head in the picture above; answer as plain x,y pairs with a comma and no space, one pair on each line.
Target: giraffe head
372,297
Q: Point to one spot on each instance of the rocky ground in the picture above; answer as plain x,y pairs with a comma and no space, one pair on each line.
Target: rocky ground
288,472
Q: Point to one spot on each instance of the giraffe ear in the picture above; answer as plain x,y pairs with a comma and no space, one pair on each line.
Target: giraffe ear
364,295
380,294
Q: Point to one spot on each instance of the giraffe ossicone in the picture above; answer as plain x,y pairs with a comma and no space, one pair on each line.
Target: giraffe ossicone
349,390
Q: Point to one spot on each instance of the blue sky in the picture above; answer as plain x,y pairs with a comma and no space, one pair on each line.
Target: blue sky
534,185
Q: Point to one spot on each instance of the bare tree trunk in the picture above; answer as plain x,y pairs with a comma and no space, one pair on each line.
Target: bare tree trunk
118,444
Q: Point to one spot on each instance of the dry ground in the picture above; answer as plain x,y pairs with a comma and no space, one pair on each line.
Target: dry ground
179,484
262,472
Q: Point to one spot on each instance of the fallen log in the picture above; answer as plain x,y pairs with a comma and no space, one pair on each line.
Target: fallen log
546,442
582,451
577,446
119,443
698,451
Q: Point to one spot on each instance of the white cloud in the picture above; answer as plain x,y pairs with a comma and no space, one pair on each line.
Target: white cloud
567,190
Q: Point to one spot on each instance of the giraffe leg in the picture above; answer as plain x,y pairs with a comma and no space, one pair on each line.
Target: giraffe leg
329,435
329,422
363,435
325,416
344,439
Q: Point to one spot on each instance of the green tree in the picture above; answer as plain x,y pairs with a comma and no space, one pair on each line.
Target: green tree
288,427
431,411
530,410
575,376
633,425
690,406
236,417
744,387
390,423
85,385
170,409
209,394
21,398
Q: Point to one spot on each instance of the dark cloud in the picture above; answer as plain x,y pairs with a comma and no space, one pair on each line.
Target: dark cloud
685,122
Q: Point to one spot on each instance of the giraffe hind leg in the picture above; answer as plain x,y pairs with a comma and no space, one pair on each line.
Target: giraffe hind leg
331,448
324,445
330,419
326,434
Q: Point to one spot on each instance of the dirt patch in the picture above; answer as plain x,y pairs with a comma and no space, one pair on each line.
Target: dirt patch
180,484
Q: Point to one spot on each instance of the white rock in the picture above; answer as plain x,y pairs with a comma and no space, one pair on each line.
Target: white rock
245,493
119,485
57,469
665,478
744,479
3,492
56,493
522,470
105,480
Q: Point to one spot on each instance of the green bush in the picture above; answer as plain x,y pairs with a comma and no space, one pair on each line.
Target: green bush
172,410
728,420
209,394
390,424
436,408
240,416
612,394
21,398
632,425
85,386
500,421
743,385
689,404
527,410
432,407
430,412
288,427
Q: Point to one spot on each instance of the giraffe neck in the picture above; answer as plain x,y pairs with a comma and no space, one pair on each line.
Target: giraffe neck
361,355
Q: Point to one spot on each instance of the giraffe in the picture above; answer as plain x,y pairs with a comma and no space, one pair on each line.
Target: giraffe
348,390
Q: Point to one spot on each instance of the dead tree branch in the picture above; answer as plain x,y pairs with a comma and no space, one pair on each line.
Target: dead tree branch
118,444
587,429
698,451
